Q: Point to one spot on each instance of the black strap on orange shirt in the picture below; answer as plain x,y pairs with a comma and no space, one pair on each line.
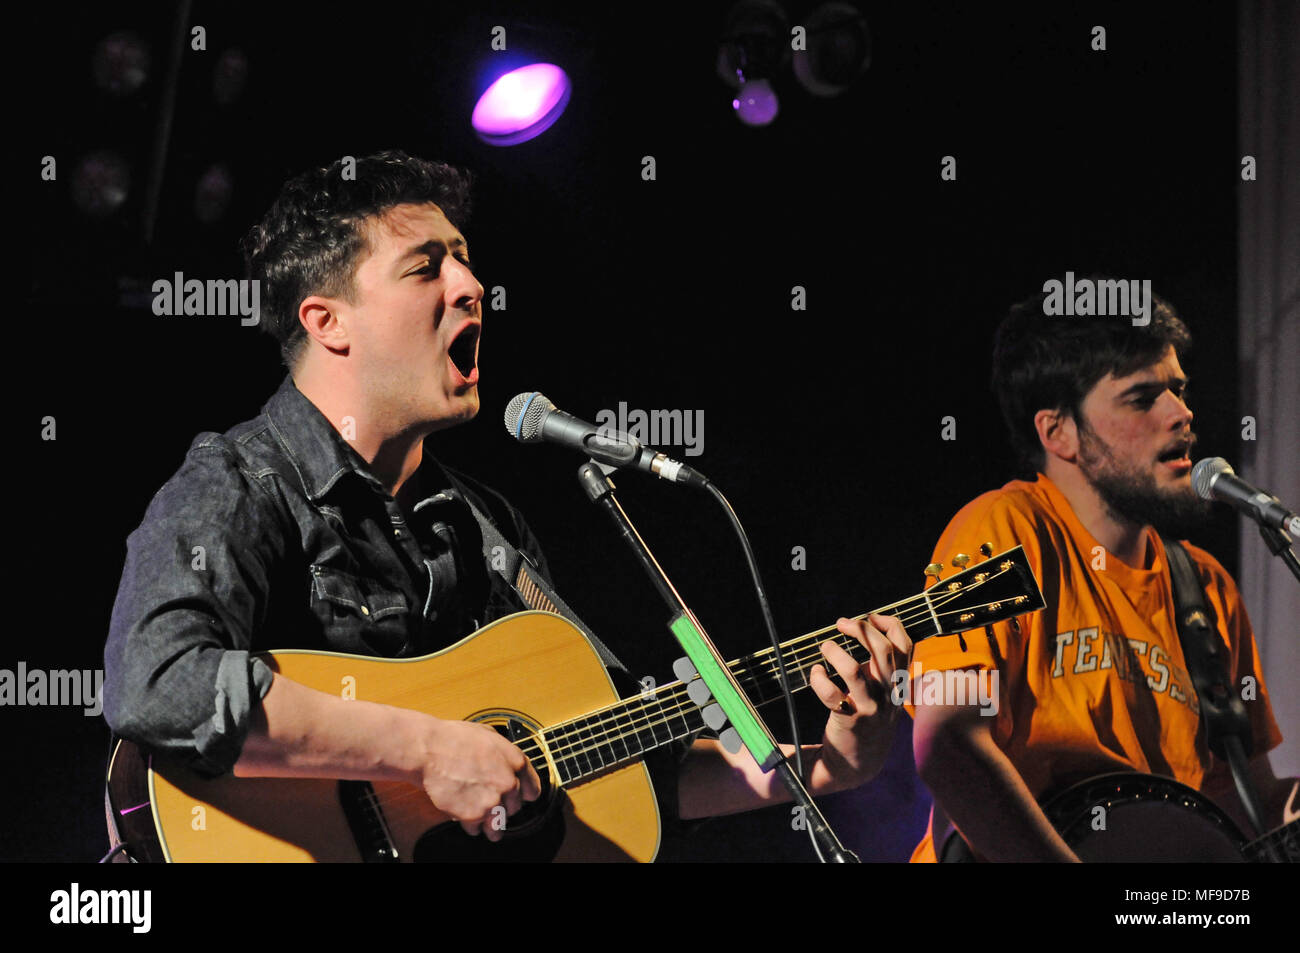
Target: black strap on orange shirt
1227,727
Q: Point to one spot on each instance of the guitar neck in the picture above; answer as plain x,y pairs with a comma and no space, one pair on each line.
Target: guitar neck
627,730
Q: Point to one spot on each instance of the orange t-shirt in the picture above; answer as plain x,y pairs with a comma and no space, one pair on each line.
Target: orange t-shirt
1095,682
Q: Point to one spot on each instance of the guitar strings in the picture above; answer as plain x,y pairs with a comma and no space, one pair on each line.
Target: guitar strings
536,750
766,659
417,803
800,657
570,738
567,744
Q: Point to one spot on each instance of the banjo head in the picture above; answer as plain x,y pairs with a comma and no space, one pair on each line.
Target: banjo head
1138,817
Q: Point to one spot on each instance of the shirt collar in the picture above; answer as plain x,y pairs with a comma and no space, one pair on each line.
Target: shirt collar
1088,545
315,448
322,457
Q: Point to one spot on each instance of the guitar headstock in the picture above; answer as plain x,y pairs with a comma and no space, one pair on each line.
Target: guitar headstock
1001,587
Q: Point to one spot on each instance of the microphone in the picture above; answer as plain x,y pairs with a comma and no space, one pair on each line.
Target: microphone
1214,479
531,418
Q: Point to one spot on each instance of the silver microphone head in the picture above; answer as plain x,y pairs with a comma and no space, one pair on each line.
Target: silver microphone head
1206,472
524,416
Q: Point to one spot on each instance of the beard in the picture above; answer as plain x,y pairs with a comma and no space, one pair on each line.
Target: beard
1131,494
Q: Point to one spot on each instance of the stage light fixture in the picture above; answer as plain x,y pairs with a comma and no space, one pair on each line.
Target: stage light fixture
100,183
212,194
120,63
522,104
229,76
838,49
756,104
755,45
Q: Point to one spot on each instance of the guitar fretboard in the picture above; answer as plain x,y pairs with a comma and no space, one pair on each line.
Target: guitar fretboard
633,727
612,736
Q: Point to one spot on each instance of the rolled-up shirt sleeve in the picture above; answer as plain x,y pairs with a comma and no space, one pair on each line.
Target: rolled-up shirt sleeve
179,676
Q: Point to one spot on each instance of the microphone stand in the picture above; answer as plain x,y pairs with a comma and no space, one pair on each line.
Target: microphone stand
713,669
1279,544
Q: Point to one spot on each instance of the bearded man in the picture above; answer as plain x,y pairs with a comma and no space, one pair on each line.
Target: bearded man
1096,683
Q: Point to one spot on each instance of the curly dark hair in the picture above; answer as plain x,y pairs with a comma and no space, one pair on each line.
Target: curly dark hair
314,235
1051,362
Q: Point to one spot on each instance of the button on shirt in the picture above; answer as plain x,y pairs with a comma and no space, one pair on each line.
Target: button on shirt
277,535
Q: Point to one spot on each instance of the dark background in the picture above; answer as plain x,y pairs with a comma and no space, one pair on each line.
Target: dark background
822,426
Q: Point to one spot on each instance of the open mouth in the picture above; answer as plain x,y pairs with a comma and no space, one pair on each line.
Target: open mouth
1177,453
464,349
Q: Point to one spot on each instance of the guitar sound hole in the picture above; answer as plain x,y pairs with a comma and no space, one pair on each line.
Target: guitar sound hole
533,834
531,814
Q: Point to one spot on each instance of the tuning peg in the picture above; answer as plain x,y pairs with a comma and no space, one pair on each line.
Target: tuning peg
986,549
933,570
960,560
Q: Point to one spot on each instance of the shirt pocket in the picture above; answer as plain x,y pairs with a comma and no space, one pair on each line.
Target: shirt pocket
359,614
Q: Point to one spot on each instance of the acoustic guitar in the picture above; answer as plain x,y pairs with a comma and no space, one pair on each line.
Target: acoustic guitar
534,677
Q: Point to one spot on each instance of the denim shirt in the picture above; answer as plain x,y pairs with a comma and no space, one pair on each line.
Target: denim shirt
277,535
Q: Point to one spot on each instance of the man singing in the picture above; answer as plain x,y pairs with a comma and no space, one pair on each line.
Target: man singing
326,525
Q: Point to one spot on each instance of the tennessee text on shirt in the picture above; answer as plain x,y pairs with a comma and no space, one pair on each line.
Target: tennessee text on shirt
1084,651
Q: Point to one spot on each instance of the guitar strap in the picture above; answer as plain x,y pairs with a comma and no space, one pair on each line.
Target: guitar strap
523,577
1221,707
1227,727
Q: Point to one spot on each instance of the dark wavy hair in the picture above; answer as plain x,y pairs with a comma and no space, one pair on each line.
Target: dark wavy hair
1051,362
314,235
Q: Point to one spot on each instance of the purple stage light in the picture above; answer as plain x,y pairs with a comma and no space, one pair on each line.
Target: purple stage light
521,104
756,104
